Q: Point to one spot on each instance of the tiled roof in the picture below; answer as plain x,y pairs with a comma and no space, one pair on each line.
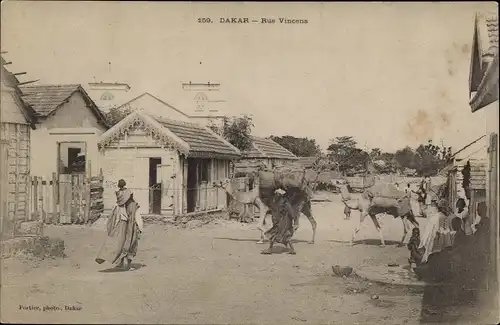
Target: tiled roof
487,25
47,98
483,78
267,148
202,142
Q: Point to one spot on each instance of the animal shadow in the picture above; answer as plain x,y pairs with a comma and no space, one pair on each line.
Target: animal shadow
238,239
256,240
376,242
133,267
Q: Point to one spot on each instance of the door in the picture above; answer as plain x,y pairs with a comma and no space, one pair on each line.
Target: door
192,181
155,195
165,178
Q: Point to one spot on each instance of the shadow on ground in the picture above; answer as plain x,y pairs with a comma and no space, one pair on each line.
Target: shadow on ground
133,267
255,240
369,242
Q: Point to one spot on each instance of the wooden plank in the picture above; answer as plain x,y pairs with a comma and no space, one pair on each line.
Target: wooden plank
16,198
28,186
35,197
55,212
4,176
43,199
492,204
65,215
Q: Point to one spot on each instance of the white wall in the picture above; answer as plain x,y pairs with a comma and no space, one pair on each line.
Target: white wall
132,165
44,148
73,122
151,105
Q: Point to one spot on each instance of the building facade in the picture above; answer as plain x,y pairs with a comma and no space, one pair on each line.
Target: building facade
17,121
169,165
68,127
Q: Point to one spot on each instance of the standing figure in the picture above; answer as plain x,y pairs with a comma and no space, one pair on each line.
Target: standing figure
463,214
123,228
416,254
283,218
347,213
437,234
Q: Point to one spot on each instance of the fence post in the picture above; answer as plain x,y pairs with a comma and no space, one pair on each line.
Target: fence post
43,198
35,197
55,217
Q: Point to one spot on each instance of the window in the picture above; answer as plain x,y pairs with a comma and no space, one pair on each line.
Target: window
200,97
71,157
107,96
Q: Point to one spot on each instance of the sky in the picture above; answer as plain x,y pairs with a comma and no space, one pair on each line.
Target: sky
388,74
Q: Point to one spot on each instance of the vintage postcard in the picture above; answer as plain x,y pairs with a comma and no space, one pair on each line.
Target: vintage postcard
249,162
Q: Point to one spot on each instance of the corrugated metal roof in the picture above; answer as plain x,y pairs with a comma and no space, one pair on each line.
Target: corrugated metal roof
12,81
200,139
267,148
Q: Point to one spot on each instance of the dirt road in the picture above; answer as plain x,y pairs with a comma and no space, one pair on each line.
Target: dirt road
213,274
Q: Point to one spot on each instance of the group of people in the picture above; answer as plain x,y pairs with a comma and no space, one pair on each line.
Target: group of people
125,226
451,243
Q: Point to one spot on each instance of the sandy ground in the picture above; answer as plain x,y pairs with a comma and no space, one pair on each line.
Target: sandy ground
215,274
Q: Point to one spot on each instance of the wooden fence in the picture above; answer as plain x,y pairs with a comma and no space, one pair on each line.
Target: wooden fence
71,199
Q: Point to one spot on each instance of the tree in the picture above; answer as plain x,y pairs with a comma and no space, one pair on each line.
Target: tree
405,158
343,151
116,114
432,158
236,130
426,159
301,147
375,153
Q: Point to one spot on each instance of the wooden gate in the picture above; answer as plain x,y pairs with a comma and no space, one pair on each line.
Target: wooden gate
71,199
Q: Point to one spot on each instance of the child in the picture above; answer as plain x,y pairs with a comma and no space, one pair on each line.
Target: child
416,253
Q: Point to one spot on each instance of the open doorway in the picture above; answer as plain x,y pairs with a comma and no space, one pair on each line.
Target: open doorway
154,186
192,181
71,158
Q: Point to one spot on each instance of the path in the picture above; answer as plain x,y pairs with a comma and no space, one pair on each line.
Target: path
214,274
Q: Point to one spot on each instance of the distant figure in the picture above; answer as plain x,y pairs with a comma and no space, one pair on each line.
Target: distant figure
123,228
463,214
427,190
408,189
283,218
397,186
